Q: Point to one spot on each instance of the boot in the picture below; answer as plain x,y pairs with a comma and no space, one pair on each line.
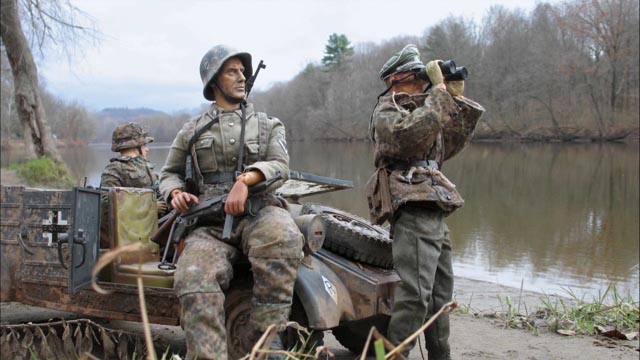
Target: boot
446,356
276,344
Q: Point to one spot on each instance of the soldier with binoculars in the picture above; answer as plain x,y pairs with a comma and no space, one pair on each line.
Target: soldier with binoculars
420,121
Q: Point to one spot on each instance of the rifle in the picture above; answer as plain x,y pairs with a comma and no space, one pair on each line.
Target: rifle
213,206
249,85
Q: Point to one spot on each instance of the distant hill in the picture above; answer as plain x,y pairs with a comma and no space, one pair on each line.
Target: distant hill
162,126
125,114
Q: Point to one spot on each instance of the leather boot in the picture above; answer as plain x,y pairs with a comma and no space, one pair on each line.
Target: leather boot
276,344
443,357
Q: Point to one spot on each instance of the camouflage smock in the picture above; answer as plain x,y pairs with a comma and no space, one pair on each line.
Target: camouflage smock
216,150
128,171
408,128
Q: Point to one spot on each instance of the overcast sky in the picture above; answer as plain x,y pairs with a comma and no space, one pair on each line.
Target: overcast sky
151,49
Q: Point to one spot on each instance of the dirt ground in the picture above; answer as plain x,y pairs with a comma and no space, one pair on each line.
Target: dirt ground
473,335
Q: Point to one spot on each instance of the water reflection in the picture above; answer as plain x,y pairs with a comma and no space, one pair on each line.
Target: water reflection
558,212
550,215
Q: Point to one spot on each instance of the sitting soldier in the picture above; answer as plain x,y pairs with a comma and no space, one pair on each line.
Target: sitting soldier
130,169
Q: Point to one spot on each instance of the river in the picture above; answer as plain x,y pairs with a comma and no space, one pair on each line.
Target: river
553,218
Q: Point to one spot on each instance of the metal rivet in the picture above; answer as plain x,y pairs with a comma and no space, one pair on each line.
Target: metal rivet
232,141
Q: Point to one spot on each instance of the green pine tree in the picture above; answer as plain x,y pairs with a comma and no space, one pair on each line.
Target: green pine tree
337,50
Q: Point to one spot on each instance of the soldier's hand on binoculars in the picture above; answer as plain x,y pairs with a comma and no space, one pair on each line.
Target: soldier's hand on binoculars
455,88
434,72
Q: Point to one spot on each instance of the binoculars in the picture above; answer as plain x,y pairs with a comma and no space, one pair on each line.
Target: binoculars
450,72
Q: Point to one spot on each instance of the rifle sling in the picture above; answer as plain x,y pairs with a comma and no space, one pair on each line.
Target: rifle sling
243,122
201,131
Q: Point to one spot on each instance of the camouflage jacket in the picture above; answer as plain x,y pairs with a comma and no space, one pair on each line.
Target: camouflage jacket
216,150
128,171
409,128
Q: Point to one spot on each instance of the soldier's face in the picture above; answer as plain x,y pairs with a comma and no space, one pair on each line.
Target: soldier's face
231,80
406,82
145,151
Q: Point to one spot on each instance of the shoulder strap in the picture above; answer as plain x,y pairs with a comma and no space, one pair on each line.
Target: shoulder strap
201,131
243,125
263,135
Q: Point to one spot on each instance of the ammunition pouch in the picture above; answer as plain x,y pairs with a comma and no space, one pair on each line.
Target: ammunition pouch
423,190
379,197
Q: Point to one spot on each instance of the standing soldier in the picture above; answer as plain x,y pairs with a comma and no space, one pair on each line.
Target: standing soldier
225,150
414,132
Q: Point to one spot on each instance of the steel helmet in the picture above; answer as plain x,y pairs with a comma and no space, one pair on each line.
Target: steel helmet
407,59
129,135
213,61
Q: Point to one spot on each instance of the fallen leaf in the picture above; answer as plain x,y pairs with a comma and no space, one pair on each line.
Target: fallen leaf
566,332
632,336
599,329
616,334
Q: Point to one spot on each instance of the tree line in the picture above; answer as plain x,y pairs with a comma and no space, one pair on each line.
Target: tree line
561,72
566,71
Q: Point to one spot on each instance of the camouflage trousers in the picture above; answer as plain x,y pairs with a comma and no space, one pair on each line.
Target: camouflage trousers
273,244
422,258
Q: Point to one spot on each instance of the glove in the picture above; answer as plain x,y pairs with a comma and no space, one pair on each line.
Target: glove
162,207
434,72
455,88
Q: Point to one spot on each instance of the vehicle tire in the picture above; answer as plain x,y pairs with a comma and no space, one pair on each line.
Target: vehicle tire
353,336
239,330
237,306
354,237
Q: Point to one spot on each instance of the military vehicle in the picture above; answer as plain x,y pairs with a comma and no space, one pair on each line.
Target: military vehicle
51,242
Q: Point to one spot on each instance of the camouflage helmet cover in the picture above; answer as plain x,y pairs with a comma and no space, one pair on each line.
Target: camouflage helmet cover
213,61
129,135
407,59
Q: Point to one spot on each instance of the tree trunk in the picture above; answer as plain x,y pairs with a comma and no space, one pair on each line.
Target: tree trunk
37,133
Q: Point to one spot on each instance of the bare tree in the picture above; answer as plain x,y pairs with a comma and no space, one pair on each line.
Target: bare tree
608,33
48,20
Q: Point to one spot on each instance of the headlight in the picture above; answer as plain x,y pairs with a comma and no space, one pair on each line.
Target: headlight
312,227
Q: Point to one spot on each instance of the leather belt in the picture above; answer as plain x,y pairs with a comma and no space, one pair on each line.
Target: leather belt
218,177
406,165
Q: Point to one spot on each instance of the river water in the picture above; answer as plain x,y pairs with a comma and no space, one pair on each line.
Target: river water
553,218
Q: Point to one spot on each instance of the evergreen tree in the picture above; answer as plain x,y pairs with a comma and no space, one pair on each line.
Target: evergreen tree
337,50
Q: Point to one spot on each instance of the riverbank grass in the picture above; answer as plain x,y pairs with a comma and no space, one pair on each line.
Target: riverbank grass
610,310
44,172
609,313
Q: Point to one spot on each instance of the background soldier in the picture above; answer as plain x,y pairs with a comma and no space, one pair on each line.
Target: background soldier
130,169
218,141
414,133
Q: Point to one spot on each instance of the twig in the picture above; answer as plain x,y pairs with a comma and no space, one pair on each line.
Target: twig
151,351
445,308
366,344
264,341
